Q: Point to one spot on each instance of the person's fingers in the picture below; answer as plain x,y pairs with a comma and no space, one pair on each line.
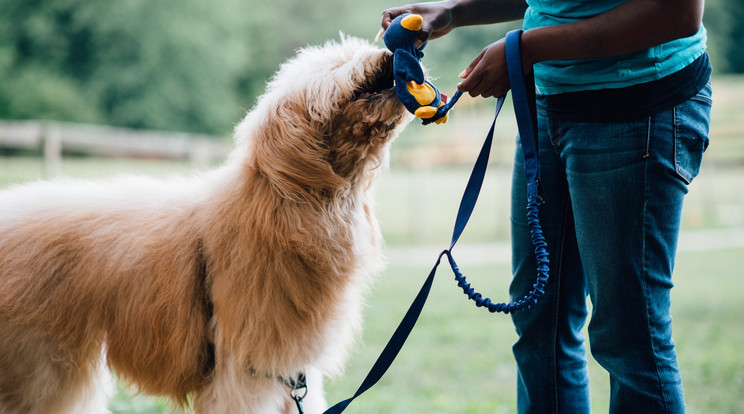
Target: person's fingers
432,34
469,81
486,74
484,84
390,14
478,88
473,86
437,20
423,35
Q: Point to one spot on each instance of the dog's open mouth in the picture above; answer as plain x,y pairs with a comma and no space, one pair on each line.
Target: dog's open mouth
381,81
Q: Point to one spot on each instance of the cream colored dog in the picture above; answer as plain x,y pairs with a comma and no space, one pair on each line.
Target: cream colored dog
214,290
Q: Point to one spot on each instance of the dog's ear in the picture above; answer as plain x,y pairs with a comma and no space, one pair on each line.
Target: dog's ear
290,150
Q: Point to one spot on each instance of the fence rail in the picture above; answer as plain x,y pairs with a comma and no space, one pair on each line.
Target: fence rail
55,137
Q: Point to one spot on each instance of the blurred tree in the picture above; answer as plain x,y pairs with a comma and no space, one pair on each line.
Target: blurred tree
196,66
162,64
724,20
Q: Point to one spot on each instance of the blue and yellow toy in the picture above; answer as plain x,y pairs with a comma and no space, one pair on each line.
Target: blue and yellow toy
418,95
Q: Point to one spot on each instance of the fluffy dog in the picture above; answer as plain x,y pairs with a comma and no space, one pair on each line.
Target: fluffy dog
213,290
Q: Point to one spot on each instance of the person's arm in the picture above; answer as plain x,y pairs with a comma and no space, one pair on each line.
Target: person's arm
631,27
443,16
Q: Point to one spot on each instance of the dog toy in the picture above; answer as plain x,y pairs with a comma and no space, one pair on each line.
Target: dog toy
418,95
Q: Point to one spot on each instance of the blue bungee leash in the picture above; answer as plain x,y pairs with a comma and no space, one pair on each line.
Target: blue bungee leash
525,120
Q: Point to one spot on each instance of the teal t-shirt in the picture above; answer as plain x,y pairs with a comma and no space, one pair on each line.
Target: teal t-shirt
560,76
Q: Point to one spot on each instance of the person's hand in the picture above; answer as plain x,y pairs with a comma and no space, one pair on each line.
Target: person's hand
438,19
486,75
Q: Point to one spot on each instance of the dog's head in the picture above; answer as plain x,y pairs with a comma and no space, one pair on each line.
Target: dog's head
326,118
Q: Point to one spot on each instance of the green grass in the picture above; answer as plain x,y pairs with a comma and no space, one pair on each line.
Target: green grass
125,402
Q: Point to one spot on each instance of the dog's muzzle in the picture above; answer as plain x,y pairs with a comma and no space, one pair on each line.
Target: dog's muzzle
381,81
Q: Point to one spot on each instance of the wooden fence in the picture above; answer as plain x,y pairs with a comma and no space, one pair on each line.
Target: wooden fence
55,137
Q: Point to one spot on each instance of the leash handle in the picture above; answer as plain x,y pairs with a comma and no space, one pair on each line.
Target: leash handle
523,105
526,122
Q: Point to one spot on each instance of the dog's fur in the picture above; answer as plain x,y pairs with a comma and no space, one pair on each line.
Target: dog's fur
207,289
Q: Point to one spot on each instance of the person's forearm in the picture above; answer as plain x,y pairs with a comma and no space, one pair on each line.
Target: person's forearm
441,17
474,12
631,27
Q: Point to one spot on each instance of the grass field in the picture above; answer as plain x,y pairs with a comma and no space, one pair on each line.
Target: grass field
458,359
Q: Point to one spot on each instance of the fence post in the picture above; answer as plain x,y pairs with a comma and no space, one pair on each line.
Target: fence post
52,141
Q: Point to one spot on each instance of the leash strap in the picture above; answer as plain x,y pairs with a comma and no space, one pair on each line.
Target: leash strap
523,106
523,99
467,204
442,111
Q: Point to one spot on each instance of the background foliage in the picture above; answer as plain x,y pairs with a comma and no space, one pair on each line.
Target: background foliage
193,65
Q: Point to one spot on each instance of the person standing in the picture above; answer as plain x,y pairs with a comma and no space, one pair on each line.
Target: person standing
623,104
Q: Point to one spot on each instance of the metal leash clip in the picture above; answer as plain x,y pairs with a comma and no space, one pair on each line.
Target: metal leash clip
298,391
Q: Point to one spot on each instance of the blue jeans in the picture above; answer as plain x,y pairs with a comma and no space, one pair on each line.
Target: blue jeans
614,195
